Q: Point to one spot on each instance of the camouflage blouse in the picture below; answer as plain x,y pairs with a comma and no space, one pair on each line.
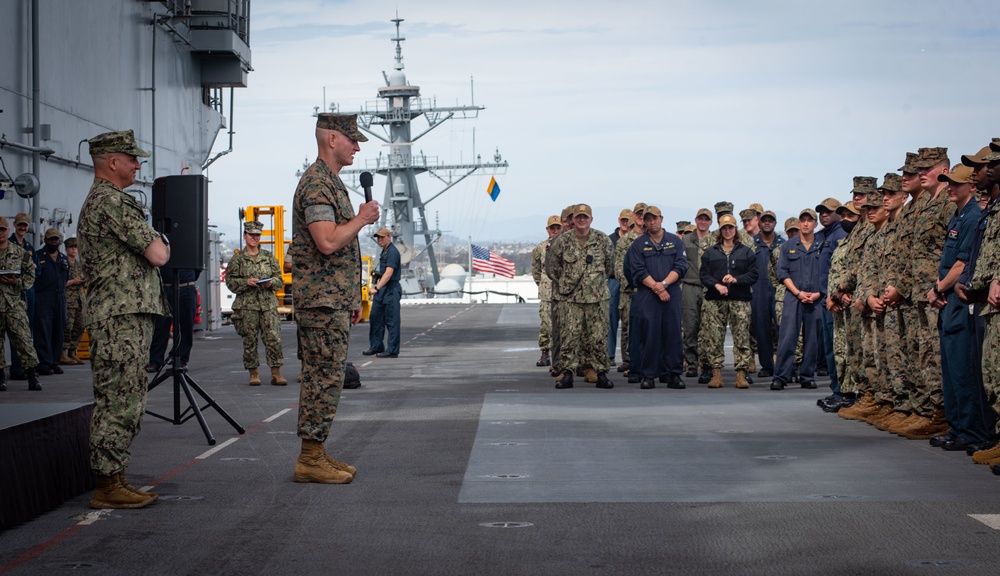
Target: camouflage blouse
243,267
16,258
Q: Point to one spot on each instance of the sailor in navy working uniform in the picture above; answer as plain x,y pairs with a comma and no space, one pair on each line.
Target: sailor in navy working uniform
658,262
387,293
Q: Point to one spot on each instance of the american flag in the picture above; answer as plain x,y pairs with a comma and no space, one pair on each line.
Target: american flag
489,262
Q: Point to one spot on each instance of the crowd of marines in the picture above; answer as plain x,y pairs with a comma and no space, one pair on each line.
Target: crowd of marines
896,298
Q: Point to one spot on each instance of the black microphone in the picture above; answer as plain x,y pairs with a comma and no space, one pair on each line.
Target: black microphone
366,182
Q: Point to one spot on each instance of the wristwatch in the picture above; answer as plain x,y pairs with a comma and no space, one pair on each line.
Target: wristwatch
938,292
164,238
665,285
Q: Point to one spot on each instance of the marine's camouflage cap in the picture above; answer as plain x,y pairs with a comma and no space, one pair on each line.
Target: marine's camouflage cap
891,181
723,207
769,214
791,224
52,233
748,214
640,207
960,174
553,221
811,212
929,157
994,151
3,223
979,158
22,218
116,142
873,200
681,224
625,213
70,242
346,124
253,227
727,220
583,209
652,210
848,207
864,185
907,167
703,212
757,207
830,205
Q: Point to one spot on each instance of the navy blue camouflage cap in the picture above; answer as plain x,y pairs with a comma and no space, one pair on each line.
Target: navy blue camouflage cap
122,142
346,124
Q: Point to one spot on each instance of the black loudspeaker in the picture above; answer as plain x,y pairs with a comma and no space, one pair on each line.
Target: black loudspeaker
180,210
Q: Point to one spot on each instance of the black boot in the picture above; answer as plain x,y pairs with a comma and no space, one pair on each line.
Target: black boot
602,380
3,380
566,381
706,375
33,383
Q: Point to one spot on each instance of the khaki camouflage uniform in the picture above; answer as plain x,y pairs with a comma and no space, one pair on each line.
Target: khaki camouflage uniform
74,310
692,299
625,290
124,297
847,324
583,289
327,290
13,310
255,309
544,284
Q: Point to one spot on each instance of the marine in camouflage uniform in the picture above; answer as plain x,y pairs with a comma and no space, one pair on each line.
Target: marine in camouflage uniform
13,311
579,264
119,253
326,267
255,309
74,305
544,283
693,296
625,290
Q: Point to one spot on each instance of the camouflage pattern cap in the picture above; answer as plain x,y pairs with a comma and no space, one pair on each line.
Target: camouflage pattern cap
640,207
748,214
907,167
116,142
53,233
624,214
930,157
253,227
70,242
864,185
703,212
994,152
811,212
346,124
652,211
22,218
583,209
848,207
791,224
382,233
979,158
960,174
727,220
769,214
553,221
892,182
4,225
682,224
873,200
723,208
829,205
757,207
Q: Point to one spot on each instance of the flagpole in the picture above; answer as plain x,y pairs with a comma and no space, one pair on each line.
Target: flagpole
470,270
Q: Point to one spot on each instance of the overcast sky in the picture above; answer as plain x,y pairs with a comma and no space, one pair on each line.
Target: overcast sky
678,103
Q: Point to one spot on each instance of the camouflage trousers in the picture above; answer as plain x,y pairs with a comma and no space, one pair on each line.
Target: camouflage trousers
716,314
555,337
545,327
14,324
250,323
991,364
779,306
324,334
119,350
584,334
848,382
895,365
925,349
869,372
692,297
74,329
624,304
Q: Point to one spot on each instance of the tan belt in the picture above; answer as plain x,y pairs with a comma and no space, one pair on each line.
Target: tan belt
181,285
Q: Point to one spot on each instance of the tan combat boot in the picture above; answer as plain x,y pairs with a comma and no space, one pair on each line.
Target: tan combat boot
859,409
313,466
741,379
76,359
590,375
902,425
134,490
986,456
891,420
881,411
928,427
276,378
753,366
111,494
254,377
716,381
65,360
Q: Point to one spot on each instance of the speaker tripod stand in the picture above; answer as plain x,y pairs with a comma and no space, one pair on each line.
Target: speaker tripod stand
184,382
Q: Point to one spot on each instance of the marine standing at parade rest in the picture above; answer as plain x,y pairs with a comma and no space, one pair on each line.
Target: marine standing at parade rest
798,270
326,266
17,274
387,292
544,283
21,224
254,276
579,264
120,253
50,303
728,272
74,305
658,262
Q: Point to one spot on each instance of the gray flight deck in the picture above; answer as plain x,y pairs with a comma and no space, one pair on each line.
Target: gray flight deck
471,463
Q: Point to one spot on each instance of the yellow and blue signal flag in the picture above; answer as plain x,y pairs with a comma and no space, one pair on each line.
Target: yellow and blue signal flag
493,189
